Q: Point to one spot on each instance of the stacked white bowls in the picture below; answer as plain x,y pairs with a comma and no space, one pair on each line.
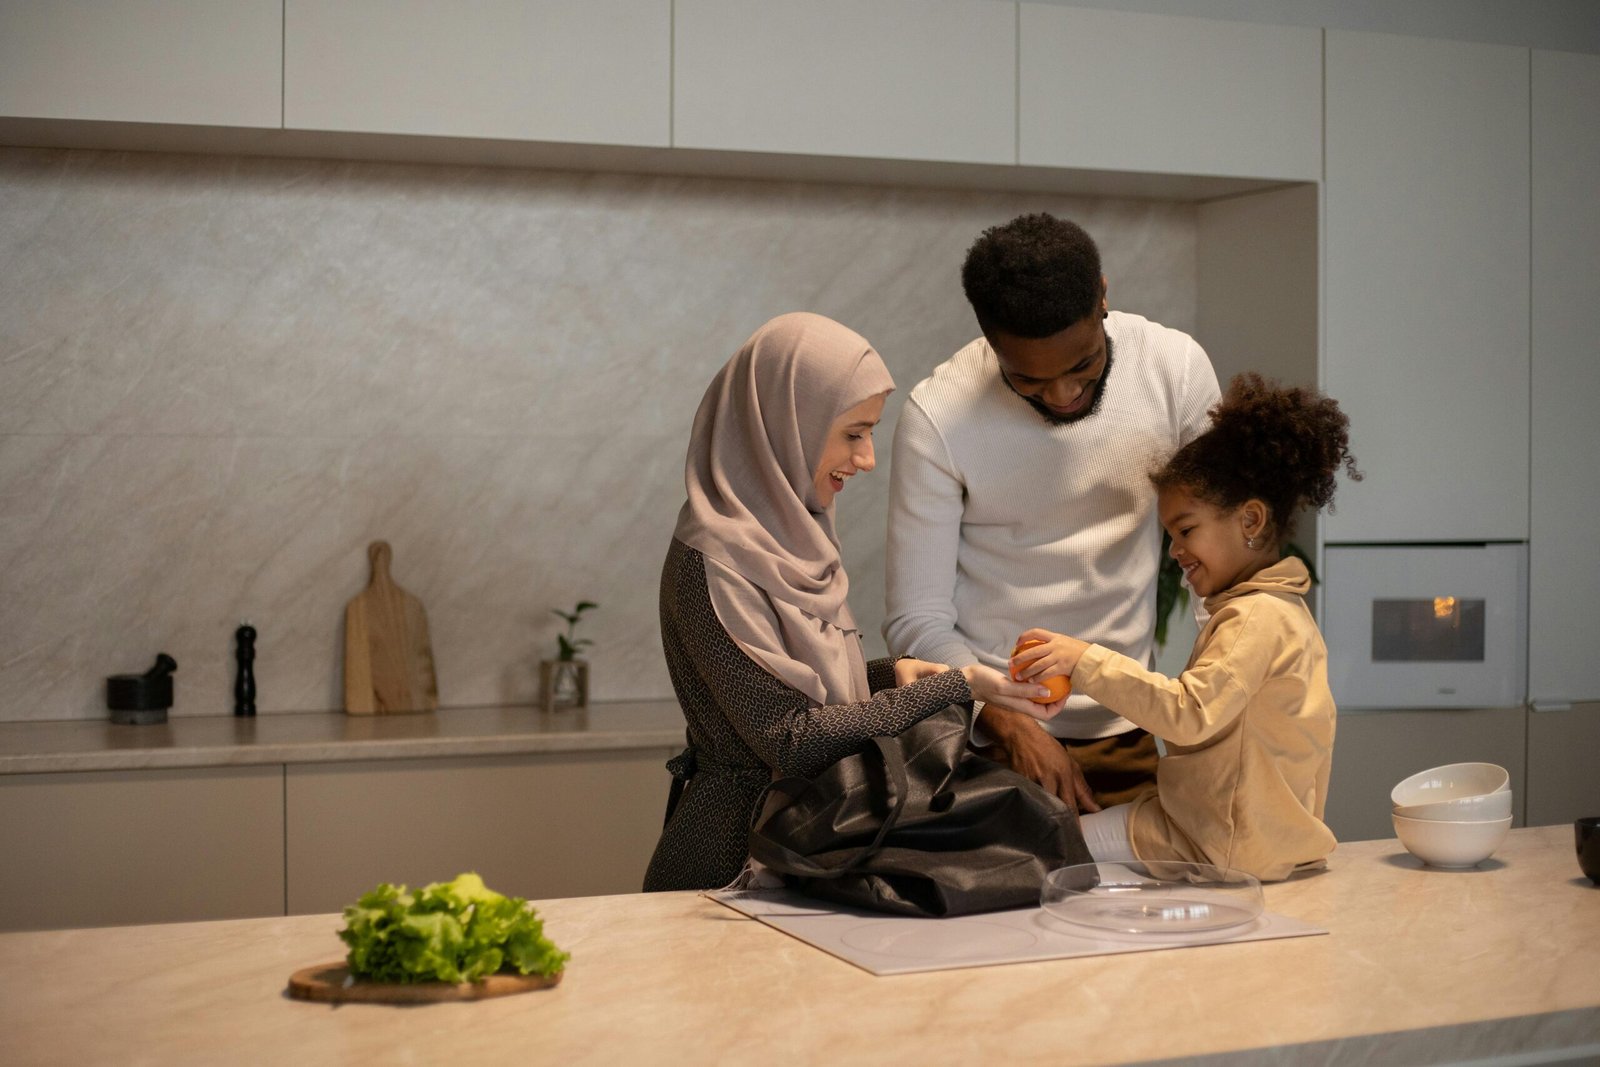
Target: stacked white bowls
1455,815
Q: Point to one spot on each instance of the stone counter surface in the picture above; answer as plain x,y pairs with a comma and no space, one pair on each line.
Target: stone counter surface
326,737
1420,966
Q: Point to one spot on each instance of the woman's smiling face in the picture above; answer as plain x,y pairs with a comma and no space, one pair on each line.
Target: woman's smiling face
847,449
1208,542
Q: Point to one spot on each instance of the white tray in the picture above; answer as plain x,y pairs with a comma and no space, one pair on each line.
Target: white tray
890,944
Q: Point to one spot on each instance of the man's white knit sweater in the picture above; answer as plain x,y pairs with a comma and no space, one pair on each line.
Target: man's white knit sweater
1000,520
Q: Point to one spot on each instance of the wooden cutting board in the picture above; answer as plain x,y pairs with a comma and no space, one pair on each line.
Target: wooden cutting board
331,982
388,661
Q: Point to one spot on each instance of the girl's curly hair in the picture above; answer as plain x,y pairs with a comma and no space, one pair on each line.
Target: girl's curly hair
1281,446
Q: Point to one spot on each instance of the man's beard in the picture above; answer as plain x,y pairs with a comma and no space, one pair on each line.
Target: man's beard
1077,416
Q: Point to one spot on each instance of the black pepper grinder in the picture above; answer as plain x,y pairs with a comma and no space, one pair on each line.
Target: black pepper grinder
244,683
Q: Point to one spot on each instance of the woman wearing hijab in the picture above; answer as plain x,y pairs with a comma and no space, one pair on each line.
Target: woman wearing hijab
764,654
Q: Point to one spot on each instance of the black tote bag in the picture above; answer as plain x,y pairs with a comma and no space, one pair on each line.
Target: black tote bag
917,824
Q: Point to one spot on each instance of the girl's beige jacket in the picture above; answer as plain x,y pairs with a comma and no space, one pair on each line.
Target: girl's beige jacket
1248,728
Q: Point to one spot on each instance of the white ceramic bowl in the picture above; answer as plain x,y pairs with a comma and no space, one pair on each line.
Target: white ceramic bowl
1484,807
1453,781
1451,844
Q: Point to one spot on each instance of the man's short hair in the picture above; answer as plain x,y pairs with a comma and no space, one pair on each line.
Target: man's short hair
1032,277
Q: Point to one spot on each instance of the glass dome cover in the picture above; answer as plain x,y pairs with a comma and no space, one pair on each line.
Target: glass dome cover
1152,898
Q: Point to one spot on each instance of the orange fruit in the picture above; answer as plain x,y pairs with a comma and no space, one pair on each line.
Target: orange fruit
1059,685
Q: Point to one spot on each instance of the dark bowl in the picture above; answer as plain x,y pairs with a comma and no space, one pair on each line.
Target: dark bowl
1587,834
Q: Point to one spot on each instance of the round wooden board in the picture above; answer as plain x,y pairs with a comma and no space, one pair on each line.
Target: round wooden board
331,982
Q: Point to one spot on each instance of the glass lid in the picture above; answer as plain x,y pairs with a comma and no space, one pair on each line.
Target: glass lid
1151,898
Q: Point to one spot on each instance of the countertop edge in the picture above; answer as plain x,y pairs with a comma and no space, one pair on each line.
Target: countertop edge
70,746
334,752
1570,1035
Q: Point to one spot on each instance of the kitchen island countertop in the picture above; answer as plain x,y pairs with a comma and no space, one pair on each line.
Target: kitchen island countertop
1419,966
325,737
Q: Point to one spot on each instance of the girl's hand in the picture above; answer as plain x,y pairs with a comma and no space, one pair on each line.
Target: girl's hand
1056,654
992,687
908,670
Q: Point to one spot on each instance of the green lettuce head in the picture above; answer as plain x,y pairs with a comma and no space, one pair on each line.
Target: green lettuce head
456,931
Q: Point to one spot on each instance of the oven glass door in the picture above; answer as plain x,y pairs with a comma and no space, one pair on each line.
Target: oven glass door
1415,626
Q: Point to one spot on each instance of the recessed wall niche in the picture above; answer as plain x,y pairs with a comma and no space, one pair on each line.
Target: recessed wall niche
1258,286
224,375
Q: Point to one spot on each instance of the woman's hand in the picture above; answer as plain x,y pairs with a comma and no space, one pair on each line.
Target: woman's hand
908,670
1055,654
992,687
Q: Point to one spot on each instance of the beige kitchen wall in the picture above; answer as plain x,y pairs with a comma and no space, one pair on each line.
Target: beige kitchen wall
221,377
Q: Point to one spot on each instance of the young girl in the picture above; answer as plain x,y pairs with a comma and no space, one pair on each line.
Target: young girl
1249,724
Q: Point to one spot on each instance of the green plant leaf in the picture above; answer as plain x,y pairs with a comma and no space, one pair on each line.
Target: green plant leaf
1170,591
569,642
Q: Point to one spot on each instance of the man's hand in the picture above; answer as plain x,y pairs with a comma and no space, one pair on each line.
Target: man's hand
908,670
1036,755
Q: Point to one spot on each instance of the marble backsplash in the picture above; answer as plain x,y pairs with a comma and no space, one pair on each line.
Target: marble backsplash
221,377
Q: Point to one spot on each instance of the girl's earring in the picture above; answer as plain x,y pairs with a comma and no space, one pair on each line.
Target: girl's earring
1250,543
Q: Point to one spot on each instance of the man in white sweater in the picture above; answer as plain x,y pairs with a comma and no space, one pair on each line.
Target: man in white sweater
1019,494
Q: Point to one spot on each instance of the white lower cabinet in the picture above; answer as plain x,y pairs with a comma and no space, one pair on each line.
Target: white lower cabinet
105,848
1372,751
578,824
1563,749
109,848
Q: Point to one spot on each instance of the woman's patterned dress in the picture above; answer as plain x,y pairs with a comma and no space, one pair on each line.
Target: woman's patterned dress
743,724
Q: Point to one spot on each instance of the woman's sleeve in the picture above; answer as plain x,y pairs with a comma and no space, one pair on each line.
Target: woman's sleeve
880,673
786,729
1193,707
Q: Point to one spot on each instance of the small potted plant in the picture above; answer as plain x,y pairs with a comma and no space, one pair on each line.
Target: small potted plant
564,681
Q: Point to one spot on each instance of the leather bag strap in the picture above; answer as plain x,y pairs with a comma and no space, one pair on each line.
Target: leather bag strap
785,859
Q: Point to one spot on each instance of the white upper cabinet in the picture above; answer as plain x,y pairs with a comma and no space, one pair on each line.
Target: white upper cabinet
193,62
1426,285
892,79
596,72
1111,90
1565,515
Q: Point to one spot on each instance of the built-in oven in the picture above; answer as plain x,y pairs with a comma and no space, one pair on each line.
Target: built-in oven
1420,626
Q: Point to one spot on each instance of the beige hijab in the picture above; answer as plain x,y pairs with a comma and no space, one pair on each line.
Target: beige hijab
772,557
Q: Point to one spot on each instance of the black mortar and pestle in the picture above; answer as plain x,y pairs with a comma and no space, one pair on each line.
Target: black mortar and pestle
142,699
